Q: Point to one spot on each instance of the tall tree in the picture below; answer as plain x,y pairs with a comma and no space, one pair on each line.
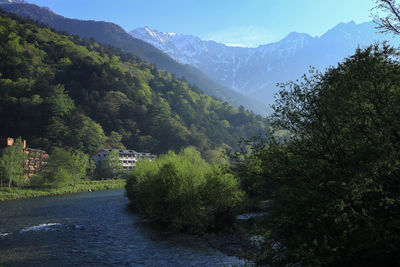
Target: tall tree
110,166
79,166
12,163
58,169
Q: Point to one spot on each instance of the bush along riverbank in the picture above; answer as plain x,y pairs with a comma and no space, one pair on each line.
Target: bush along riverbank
82,186
184,192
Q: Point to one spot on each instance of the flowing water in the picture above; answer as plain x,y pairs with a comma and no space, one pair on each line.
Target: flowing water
93,229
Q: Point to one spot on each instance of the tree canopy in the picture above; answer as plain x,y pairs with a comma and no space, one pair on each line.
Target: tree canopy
334,179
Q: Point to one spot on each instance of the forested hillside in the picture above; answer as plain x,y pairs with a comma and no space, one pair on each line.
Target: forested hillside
111,34
60,90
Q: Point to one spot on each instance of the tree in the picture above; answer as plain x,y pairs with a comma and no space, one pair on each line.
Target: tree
220,194
12,163
87,135
114,141
389,21
58,170
60,103
79,166
109,167
336,177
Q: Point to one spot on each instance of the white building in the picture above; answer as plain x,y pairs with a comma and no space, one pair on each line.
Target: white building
127,158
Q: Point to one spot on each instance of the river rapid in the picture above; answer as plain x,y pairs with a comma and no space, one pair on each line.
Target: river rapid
93,229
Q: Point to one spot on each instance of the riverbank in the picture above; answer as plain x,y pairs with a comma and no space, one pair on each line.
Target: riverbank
231,245
236,243
242,240
83,186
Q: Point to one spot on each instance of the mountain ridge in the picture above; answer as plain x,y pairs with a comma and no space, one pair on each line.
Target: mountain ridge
256,71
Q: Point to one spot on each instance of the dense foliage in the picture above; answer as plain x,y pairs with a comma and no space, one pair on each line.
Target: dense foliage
184,192
63,168
110,167
335,180
61,91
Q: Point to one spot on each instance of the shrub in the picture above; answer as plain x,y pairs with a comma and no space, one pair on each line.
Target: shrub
183,191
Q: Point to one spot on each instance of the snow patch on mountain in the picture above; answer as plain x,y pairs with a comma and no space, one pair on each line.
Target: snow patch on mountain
13,2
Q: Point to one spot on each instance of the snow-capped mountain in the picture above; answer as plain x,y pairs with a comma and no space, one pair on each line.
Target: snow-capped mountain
255,71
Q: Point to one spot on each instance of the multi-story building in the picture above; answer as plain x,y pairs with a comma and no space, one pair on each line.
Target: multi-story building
127,158
35,159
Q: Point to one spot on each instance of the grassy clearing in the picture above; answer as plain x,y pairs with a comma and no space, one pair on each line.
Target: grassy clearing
83,186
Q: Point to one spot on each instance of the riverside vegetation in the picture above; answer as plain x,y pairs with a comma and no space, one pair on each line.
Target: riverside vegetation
185,192
63,172
81,186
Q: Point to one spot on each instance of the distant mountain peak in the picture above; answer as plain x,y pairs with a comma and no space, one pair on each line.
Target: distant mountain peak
149,30
296,36
350,23
157,35
346,26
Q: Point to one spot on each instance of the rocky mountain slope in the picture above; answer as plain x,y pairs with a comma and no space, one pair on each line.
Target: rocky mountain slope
255,71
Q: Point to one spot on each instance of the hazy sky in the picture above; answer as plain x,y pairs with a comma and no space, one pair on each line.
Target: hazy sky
233,22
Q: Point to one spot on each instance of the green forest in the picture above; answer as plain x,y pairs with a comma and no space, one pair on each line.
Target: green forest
58,90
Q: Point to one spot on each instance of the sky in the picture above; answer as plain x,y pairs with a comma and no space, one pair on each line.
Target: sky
233,22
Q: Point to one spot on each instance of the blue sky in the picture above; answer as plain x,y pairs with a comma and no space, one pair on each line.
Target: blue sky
233,22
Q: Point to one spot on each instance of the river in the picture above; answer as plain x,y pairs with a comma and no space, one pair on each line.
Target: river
93,229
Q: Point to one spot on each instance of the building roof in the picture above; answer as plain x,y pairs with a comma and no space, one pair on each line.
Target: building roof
124,151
